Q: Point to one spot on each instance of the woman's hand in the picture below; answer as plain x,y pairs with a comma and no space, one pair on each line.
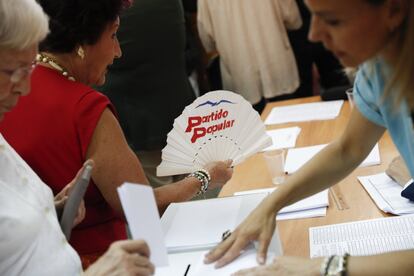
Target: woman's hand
60,201
286,266
398,171
61,198
129,257
258,226
220,173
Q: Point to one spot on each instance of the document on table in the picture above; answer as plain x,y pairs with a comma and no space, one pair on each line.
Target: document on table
141,212
297,157
313,206
246,260
365,237
199,225
283,138
386,193
304,112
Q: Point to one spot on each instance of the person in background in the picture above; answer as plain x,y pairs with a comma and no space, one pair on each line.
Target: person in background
32,242
149,85
377,36
70,122
256,59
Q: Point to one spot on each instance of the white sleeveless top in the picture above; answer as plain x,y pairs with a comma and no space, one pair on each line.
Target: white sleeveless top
31,241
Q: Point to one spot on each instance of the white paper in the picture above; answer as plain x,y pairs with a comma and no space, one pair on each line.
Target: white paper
298,157
309,213
246,260
362,238
140,208
199,225
304,112
178,263
283,138
312,206
205,231
386,193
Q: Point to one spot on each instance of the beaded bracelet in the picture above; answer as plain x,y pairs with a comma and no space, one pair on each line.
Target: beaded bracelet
203,178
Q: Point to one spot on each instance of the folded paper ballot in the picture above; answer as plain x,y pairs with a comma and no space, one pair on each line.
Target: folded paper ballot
283,138
141,212
386,194
199,225
298,157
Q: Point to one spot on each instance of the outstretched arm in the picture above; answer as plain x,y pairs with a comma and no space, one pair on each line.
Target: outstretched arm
328,167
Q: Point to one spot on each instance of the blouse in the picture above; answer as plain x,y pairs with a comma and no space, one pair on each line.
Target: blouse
31,241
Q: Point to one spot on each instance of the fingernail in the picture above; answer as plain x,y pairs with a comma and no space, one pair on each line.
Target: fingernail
261,260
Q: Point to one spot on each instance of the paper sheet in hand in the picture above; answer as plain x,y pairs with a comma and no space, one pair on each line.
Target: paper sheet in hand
246,260
360,238
141,211
297,157
386,193
304,112
199,225
283,138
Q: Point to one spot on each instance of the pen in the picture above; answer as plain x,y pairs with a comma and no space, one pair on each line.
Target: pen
186,271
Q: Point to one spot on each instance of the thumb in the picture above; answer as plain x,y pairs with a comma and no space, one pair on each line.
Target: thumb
135,246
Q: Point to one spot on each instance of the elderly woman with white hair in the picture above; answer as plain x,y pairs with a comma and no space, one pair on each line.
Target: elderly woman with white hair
32,242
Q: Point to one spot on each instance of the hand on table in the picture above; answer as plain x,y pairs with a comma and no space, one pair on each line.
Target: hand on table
258,226
398,171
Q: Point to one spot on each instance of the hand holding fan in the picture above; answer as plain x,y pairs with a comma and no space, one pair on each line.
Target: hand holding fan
217,126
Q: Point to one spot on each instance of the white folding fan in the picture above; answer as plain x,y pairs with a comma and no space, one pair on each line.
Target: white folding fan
217,126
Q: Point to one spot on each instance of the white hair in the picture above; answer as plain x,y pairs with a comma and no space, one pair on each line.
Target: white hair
22,24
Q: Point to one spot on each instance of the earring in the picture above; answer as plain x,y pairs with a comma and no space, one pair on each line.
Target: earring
81,52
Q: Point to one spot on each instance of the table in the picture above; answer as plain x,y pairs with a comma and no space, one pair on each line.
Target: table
348,201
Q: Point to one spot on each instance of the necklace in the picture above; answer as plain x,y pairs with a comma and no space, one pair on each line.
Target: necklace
43,58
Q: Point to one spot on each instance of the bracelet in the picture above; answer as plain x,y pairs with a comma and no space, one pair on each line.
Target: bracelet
206,173
325,264
204,180
335,266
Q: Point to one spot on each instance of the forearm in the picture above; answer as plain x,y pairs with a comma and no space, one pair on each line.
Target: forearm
177,192
395,263
328,167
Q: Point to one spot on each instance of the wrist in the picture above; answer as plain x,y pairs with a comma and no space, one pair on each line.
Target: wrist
203,177
334,265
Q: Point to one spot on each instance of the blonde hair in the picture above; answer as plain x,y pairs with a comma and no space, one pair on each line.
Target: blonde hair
22,24
403,76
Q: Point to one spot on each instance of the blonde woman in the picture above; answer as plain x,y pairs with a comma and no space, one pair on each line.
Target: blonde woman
377,36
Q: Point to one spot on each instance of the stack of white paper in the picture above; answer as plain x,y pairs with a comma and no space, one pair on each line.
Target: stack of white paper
313,206
140,208
367,237
304,112
199,225
297,157
386,193
283,138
